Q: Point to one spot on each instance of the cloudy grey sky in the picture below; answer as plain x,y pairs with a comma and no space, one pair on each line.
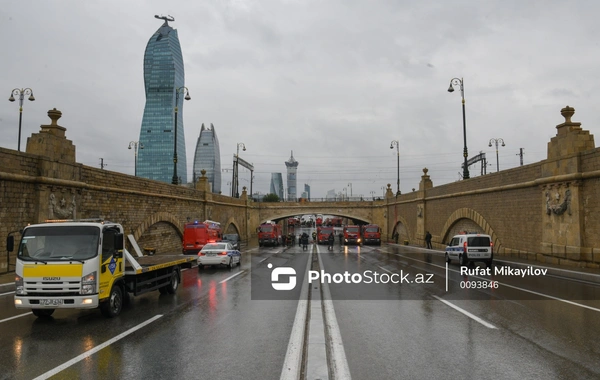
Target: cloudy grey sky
334,81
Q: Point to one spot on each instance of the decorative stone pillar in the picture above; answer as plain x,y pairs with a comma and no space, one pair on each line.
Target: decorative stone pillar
562,214
425,184
202,183
51,141
388,192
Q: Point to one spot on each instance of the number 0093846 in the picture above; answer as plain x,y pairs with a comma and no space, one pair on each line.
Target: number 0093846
479,284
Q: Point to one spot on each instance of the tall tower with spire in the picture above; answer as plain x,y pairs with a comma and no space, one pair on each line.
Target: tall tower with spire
292,167
163,75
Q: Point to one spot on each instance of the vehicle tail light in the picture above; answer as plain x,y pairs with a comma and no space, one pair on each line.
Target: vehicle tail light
465,247
223,253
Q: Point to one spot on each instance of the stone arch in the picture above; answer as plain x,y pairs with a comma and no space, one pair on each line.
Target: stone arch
155,218
476,218
403,231
284,216
231,222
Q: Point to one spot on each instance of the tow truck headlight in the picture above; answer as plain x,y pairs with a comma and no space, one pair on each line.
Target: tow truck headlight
88,284
20,289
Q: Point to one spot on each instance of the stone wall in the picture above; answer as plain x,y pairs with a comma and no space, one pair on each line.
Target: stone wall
547,211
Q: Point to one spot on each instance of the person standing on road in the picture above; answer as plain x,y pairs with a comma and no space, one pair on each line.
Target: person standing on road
428,240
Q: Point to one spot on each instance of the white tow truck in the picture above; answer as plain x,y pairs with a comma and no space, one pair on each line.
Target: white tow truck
82,264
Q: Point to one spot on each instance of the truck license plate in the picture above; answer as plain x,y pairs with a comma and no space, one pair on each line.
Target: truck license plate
51,302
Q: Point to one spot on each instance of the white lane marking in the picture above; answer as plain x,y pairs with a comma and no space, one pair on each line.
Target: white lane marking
292,365
552,297
230,277
472,316
512,286
446,277
5,294
263,259
16,316
338,364
95,349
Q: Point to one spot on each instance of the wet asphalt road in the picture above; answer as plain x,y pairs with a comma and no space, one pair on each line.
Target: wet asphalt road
421,337
212,329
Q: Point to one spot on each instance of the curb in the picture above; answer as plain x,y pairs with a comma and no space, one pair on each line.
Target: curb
7,287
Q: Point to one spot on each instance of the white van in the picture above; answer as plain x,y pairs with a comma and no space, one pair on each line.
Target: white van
469,248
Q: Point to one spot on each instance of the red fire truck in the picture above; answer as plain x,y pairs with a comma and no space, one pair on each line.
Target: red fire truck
371,234
352,235
197,234
323,234
269,233
336,221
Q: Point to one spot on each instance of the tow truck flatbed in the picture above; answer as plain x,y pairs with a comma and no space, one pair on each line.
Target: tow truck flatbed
151,263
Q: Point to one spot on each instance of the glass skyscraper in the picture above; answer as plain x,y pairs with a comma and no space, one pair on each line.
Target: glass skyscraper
208,157
277,185
163,75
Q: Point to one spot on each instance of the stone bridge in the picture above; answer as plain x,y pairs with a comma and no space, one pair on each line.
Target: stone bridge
359,211
547,211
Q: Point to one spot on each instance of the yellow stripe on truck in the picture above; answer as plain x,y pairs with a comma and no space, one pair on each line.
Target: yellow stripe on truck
49,270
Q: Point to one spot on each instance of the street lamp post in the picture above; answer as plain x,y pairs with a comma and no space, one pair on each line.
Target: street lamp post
397,143
456,82
236,182
135,145
496,141
21,92
181,89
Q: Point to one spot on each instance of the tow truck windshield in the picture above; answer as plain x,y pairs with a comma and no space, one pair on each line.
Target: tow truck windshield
59,243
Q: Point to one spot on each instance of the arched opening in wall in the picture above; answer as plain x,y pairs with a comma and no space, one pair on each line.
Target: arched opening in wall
232,229
402,232
462,225
162,237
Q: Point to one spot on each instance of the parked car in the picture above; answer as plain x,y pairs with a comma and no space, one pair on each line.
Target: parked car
221,253
234,239
468,248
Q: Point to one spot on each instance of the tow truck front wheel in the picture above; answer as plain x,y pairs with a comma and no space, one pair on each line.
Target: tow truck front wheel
43,313
112,307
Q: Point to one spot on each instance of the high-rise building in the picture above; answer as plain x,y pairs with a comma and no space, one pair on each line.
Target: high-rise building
277,185
292,167
208,157
163,76
306,193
